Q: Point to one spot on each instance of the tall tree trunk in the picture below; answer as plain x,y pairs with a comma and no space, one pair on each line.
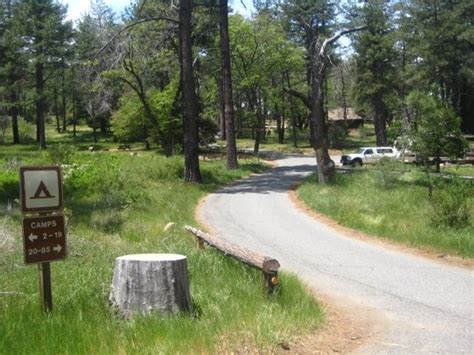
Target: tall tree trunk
63,101
227,86
74,113
380,122
40,106
192,172
14,114
326,167
259,124
220,84
56,110
344,100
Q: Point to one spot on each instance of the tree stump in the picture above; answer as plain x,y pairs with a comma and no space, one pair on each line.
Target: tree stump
143,283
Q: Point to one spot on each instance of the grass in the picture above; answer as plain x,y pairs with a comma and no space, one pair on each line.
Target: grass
399,210
461,170
119,204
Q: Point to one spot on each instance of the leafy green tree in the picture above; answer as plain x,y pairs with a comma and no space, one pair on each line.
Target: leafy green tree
12,65
96,94
435,128
376,57
45,35
227,91
439,37
312,23
262,59
192,172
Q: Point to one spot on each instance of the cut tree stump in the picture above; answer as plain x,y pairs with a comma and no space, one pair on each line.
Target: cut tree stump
143,283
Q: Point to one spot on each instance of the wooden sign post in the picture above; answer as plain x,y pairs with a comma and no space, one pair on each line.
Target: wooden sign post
44,235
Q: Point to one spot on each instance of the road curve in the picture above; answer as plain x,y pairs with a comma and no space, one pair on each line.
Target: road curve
429,306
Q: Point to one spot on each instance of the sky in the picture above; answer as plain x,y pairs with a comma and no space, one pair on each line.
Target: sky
78,7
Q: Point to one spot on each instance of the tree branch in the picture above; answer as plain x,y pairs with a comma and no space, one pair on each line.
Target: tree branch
335,37
139,22
300,96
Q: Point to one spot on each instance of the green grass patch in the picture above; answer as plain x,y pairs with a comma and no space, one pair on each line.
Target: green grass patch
400,211
119,204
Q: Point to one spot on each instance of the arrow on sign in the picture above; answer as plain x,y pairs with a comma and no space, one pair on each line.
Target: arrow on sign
57,248
32,237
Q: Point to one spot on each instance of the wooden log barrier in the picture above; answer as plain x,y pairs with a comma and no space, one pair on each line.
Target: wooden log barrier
267,265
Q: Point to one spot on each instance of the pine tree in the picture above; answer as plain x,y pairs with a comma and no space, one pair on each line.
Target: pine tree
376,71
439,37
44,35
12,64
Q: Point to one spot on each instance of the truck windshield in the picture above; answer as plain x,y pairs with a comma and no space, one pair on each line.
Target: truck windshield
360,151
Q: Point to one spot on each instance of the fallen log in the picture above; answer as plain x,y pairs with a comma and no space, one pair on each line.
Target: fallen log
267,265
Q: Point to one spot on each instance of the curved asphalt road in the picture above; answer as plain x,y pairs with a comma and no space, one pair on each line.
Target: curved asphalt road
430,307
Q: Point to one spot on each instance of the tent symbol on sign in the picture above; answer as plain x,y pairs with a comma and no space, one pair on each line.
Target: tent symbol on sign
42,192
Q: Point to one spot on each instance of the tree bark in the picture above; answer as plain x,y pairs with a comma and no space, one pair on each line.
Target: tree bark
145,283
259,123
40,106
74,112
14,114
56,110
63,100
380,122
227,86
220,82
192,172
326,167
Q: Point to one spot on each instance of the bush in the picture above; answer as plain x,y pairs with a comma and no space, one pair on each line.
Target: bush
26,132
4,124
61,153
450,203
109,221
389,171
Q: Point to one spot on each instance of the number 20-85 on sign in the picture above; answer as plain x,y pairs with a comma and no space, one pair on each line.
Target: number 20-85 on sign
44,239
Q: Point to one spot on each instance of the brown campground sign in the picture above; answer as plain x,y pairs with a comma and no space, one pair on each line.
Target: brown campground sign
44,235
44,239
41,189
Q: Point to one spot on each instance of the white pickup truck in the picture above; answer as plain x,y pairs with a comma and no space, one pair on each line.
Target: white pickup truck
369,155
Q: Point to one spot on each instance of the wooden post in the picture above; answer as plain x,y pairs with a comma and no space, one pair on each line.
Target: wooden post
44,278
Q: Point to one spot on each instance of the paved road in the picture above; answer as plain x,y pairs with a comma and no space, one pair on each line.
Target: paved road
429,306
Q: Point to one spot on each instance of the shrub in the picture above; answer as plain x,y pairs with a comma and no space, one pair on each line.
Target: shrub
104,182
389,171
450,203
109,221
4,124
61,153
26,132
